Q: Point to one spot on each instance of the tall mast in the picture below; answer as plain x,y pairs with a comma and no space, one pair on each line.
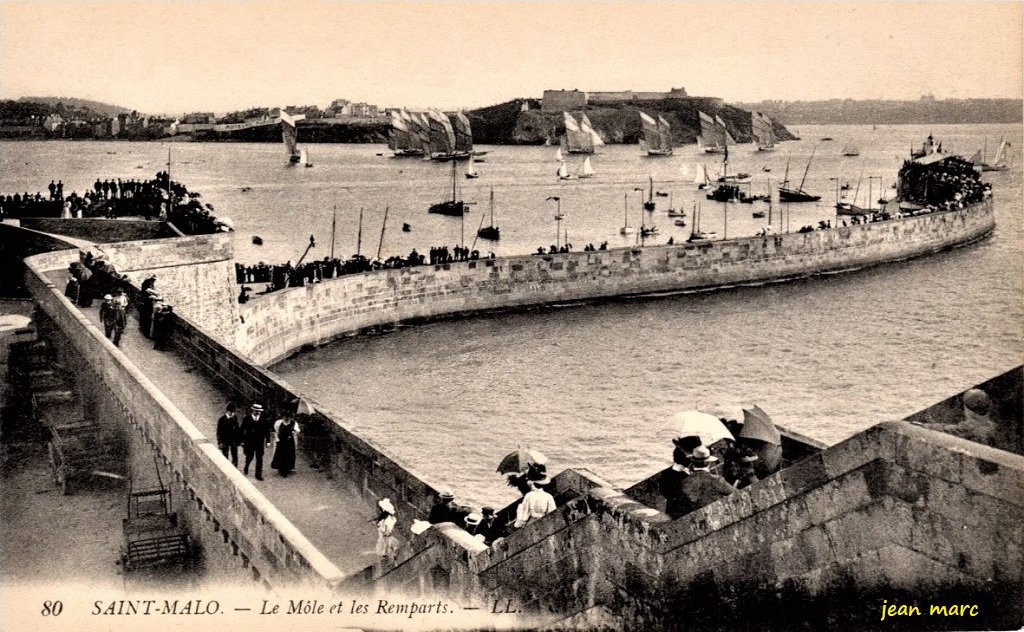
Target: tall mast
334,226
492,206
808,168
359,236
380,244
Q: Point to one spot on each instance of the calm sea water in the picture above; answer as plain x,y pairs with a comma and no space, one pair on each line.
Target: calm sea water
592,386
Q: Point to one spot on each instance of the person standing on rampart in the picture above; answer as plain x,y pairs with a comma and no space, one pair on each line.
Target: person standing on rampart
255,437
229,434
286,431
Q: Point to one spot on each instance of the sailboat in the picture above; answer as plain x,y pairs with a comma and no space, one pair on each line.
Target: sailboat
490,232
588,128
578,140
762,131
713,134
404,139
851,208
1000,163
290,135
586,170
454,206
695,232
672,210
626,228
649,204
563,172
471,171
849,149
787,194
657,135
700,177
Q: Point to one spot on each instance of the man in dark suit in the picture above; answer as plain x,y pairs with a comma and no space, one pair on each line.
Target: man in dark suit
229,434
701,487
255,437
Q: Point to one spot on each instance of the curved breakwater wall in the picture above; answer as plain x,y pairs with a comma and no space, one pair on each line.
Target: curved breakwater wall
277,325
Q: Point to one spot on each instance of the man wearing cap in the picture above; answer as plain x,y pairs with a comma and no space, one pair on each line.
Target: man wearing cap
118,305
255,437
701,487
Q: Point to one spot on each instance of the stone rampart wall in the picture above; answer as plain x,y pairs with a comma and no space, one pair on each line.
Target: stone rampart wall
276,550
195,274
278,324
100,230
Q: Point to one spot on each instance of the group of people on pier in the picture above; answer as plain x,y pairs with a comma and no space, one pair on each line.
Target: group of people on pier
254,433
112,198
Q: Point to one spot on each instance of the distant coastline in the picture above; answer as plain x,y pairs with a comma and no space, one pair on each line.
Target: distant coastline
516,122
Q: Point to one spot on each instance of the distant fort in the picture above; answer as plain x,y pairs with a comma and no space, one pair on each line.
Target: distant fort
556,100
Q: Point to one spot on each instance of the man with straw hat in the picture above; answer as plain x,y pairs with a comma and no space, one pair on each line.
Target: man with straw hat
701,487
255,437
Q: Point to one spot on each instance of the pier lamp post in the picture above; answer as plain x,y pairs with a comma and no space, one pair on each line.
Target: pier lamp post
558,217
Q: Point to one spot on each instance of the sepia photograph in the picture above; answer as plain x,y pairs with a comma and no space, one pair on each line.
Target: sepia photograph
494,315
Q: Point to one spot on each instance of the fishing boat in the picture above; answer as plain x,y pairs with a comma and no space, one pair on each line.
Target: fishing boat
491,232
649,205
850,208
789,194
290,135
626,228
1001,161
696,235
714,136
576,140
672,211
404,139
471,171
762,131
454,207
657,135
850,149
450,136
563,172
700,177
588,128
586,170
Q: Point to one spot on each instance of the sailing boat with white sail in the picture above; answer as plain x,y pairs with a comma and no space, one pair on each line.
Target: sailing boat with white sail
700,177
576,139
762,131
1001,161
290,136
588,128
563,172
657,135
713,134
586,170
471,171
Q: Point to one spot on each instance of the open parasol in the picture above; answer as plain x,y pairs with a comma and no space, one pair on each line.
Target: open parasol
519,460
758,425
693,423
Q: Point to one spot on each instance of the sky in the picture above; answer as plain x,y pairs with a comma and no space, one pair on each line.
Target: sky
181,56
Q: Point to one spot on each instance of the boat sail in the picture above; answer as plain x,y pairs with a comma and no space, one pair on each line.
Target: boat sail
713,134
700,177
471,171
657,135
586,170
1001,160
577,141
463,135
762,131
454,206
563,172
788,194
587,128
290,135
405,135
491,232
448,141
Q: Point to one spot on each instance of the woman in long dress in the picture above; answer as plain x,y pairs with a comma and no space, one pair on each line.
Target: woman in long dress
286,432
387,543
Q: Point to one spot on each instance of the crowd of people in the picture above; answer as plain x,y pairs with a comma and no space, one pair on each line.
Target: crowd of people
281,276
113,198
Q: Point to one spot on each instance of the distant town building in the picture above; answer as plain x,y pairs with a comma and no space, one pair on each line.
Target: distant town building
555,100
341,108
53,122
198,117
